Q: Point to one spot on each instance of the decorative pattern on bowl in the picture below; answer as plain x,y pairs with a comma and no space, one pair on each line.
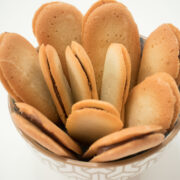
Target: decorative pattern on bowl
110,173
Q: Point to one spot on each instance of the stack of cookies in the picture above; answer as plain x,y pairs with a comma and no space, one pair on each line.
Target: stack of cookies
90,92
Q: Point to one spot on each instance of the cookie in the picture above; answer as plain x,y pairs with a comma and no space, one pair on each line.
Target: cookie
173,85
177,34
129,148
116,77
56,81
106,24
93,7
161,52
155,101
58,24
107,147
91,103
81,73
9,89
21,74
34,124
120,137
90,123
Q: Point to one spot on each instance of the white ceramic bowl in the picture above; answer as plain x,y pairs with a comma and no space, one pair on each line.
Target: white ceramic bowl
118,170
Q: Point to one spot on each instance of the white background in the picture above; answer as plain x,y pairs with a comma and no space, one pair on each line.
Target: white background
16,161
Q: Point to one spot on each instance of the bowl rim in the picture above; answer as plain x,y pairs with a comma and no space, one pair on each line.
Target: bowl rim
122,162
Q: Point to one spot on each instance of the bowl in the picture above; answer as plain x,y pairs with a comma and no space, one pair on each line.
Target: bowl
117,170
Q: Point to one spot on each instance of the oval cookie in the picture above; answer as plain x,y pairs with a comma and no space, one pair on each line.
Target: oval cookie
110,23
58,24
